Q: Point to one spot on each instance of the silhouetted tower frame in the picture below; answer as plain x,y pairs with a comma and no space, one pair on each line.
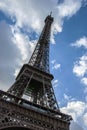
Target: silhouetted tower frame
40,111
38,90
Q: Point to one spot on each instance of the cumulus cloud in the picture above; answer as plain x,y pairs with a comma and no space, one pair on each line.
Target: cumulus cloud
53,61
85,118
16,71
27,13
55,65
80,66
8,58
75,108
78,110
55,83
66,97
69,7
81,42
84,80
15,50
36,14
80,69
25,47
23,43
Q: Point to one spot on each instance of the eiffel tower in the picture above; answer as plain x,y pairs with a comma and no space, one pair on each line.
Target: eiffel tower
30,103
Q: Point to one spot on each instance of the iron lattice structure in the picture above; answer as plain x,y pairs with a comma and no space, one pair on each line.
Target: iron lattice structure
39,110
34,79
40,56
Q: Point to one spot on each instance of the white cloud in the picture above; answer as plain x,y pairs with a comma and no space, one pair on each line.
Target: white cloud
80,67
75,108
55,65
15,50
78,110
23,43
55,83
8,55
85,118
69,7
53,61
16,71
27,14
66,97
84,80
81,42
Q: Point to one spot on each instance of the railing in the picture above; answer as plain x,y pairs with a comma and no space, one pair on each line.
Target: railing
30,105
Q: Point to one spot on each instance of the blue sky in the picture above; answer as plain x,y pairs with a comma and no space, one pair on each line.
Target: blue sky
21,22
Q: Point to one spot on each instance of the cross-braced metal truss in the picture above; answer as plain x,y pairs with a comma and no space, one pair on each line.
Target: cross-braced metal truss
34,79
40,111
40,56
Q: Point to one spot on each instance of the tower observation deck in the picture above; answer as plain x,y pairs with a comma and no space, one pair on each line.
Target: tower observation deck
40,110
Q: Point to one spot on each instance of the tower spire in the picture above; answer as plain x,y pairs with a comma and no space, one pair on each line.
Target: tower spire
50,13
40,56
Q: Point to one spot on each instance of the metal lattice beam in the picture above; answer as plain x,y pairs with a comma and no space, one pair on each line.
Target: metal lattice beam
40,110
40,56
33,79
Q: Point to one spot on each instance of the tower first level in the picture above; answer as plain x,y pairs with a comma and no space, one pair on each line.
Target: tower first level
29,116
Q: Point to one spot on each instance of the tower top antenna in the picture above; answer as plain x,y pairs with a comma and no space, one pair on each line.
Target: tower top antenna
50,13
